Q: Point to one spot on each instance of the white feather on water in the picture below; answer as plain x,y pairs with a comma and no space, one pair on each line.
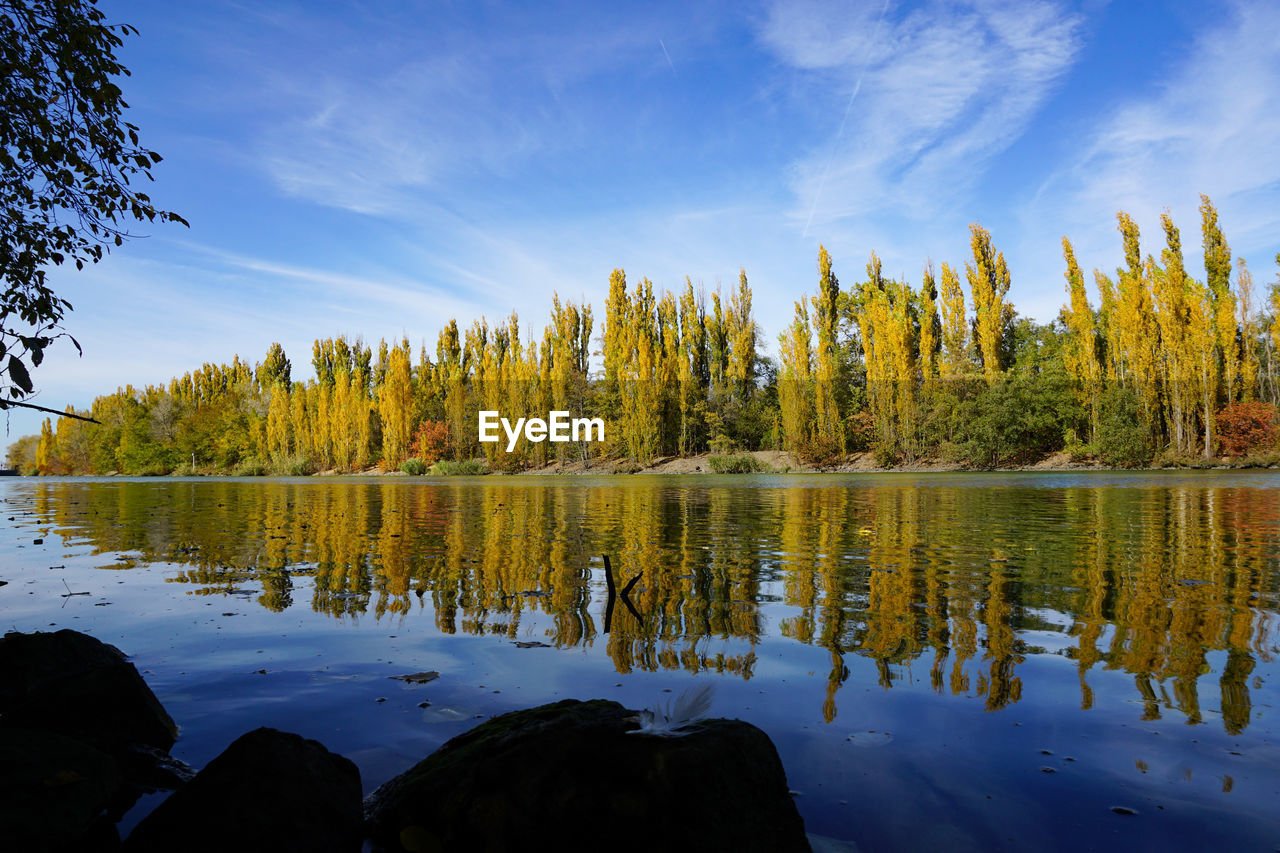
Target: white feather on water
672,720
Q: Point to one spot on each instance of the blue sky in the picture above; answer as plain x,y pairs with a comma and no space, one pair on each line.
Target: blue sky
375,169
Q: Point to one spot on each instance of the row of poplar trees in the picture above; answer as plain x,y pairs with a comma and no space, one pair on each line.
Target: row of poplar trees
883,364
880,366
678,376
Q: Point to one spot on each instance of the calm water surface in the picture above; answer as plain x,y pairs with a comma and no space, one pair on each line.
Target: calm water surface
954,661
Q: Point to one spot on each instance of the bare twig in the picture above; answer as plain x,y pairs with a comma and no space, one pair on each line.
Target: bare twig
69,592
4,404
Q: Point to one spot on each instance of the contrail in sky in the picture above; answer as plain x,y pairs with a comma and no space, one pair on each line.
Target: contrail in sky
668,56
849,106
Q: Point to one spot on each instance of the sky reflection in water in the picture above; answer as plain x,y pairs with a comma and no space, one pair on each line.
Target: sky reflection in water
1011,655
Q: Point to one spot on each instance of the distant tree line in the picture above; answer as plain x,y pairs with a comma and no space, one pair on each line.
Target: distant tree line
1166,365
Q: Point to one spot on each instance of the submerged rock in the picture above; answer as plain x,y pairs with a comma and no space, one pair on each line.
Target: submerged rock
78,686
571,776
269,791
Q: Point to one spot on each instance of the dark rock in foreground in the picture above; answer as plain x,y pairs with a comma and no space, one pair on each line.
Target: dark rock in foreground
75,685
269,790
568,776
55,792
81,736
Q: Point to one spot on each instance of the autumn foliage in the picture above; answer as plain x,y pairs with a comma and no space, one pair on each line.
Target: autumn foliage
1245,428
431,441
1165,363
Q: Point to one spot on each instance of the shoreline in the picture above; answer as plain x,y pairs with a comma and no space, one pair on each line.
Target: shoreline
772,463
782,462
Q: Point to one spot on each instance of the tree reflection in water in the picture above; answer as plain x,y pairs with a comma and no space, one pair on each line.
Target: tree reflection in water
969,581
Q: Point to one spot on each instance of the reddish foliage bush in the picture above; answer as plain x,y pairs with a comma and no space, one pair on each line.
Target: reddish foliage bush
820,451
430,442
1245,428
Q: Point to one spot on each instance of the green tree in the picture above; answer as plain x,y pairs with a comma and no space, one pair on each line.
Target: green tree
1123,441
21,455
69,163
275,368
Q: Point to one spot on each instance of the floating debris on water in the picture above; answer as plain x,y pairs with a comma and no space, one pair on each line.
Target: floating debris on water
417,677
444,715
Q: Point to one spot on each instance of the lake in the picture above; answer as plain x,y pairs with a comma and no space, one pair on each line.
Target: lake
949,661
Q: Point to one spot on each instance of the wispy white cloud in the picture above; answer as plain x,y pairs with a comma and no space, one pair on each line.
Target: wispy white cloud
364,144
142,322
366,124
1210,127
945,89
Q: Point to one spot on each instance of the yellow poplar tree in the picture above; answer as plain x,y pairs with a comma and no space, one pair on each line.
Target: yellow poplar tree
395,406
1249,366
828,431
279,427
741,332
668,350
693,369
717,350
1273,331
362,411
1200,337
930,327
300,422
639,377
617,311
536,371
342,419
1081,353
872,313
1217,268
321,428
901,354
955,326
1109,320
988,284
46,448
795,382
451,369
1136,323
